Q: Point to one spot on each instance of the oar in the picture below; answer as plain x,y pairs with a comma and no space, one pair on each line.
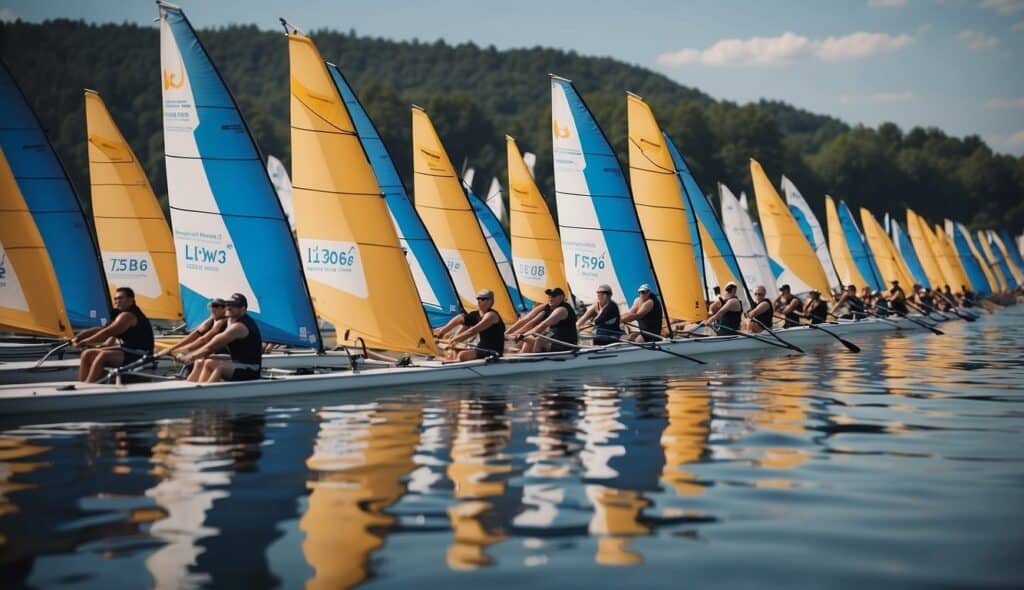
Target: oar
927,310
660,337
781,343
933,329
655,346
49,353
849,345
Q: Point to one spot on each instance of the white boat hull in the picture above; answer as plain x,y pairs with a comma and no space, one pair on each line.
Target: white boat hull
47,397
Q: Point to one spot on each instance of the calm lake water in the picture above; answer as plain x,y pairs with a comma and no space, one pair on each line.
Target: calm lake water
901,466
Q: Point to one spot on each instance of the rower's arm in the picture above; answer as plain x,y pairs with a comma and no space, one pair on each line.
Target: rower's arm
189,338
638,311
590,313
524,322
235,331
452,323
122,322
556,316
490,318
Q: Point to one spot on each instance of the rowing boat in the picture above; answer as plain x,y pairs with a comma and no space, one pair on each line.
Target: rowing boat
49,397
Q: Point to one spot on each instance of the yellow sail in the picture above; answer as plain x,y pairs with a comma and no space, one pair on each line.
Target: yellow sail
660,206
442,204
846,268
536,248
357,273
889,261
990,261
135,240
30,299
978,256
787,247
950,262
925,250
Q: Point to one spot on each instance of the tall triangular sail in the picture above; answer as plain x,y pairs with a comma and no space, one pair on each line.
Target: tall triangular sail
601,238
282,186
859,251
984,246
811,229
746,243
501,247
793,259
353,261
135,240
30,298
847,268
661,205
536,247
230,232
447,215
890,264
54,207
435,286
926,250
970,258
495,200
905,248
952,268
1003,244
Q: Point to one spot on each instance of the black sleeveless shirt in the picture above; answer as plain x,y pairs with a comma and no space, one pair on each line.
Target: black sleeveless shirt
608,322
652,321
899,303
248,350
855,305
765,317
818,312
492,338
792,318
140,336
565,329
730,320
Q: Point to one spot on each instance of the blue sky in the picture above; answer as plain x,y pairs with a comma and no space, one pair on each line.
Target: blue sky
954,64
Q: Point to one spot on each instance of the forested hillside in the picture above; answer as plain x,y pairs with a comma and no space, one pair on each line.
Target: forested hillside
478,94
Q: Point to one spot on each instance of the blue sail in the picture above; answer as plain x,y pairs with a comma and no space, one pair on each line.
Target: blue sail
437,292
998,259
55,208
1011,249
906,250
859,250
979,283
230,232
601,238
700,207
501,249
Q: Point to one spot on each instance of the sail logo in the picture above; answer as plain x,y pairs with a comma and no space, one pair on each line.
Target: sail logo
205,255
174,80
559,131
331,257
335,264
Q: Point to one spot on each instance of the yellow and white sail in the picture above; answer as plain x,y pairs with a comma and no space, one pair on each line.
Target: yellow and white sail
357,273
30,298
925,250
1002,248
949,260
990,260
536,248
842,257
786,245
442,204
661,208
134,237
889,261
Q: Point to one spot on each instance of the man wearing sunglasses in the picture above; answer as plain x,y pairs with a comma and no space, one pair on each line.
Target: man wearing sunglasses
198,338
242,342
484,321
126,339
606,318
558,326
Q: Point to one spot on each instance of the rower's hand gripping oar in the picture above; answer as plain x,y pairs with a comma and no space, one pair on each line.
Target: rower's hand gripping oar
849,345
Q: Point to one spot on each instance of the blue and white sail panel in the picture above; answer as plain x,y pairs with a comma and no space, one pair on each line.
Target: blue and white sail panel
906,249
1000,259
54,206
434,284
500,247
601,238
965,245
230,232
747,244
811,229
859,250
1014,248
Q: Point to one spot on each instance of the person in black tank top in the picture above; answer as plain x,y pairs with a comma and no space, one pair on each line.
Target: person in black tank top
648,315
854,305
815,309
483,322
726,320
241,340
788,306
897,299
557,330
197,338
604,314
126,339
761,314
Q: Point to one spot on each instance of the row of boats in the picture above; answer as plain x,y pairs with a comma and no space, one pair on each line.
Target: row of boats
357,253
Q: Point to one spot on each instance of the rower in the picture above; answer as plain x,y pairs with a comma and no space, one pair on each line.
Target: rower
897,298
879,304
854,305
717,304
130,331
559,321
647,314
210,327
240,339
816,308
761,314
788,306
726,320
483,321
605,314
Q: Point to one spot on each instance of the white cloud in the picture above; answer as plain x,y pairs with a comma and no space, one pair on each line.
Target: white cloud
1004,6
6,16
977,41
886,3
785,49
1005,103
878,97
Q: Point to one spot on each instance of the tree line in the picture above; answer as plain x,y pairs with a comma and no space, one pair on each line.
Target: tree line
476,95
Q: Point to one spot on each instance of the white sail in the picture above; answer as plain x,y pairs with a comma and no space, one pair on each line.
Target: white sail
811,228
283,185
746,243
496,200
530,159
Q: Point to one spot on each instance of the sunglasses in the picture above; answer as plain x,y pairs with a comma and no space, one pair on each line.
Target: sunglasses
604,292
120,298
483,298
215,305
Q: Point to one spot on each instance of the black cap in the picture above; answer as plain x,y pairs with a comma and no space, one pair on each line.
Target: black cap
554,291
237,300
